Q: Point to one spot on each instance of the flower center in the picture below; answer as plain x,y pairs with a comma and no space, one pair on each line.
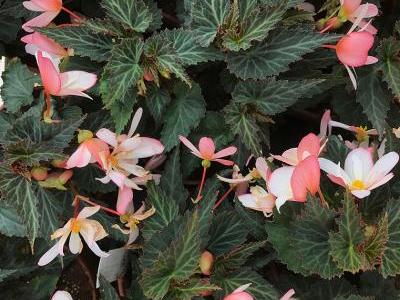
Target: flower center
361,134
113,161
357,185
75,226
129,220
255,174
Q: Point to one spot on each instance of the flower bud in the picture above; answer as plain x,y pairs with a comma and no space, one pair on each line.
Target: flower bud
65,176
206,262
58,163
148,76
205,281
39,173
84,135
165,73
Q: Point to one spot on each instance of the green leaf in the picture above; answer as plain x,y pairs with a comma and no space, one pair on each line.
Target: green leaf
191,289
254,27
157,100
391,256
244,125
373,99
312,239
106,26
346,242
272,96
121,110
189,51
82,40
376,241
31,154
260,289
171,179
388,51
134,15
178,262
237,257
107,291
166,210
160,51
336,150
85,180
20,194
18,86
207,17
122,71
10,222
183,114
226,232
274,55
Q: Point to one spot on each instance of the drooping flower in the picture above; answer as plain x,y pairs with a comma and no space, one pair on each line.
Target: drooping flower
240,294
356,13
131,219
360,174
308,146
88,151
206,151
38,42
362,133
288,295
293,183
258,199
63,84
49,8
90,230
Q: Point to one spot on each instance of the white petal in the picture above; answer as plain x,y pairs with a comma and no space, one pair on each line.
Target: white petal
107,136
279,183
88,211
50,254
382,167
279,202
382,181
61,295
248,200
133,235
135,121
358,164
75,244
361,193
76,81
333,169
93,245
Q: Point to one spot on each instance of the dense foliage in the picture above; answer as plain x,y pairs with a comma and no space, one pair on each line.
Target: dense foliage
254,77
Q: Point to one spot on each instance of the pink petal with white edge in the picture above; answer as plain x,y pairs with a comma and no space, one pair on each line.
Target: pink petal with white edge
98,149
263,168
324,128
80,158
44,44
49,5
371,60
117,177
366,26
382,167
224,162
207,148
125,197
382,181
305,178
30,5
358,164
239,296
225,152
88,211
337,180
40,21
309,145
371,11
148,147
188,144
48,72
350,6
361,193
75,82
288,157
107,136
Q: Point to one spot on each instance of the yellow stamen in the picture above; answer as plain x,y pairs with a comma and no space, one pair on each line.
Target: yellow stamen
357,185
255,174
361,134
75,226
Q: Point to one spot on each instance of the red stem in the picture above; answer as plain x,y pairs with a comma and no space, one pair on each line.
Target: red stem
218,203
203,178
71,13
48,104
321,196
326,28
87,200
329,46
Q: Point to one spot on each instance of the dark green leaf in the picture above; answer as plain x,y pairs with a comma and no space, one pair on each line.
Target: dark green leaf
107,291
388,51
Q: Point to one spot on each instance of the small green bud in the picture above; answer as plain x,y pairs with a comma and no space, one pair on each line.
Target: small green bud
205,163
84,135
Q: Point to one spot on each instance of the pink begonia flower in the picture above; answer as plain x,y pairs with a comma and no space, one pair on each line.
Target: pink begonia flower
259,199
261,170
240,294
61,295
50,9
38,42
63,84
89,151
360,175
288,295
356,12
207,153
362,133
293,183
90,230
308,146
131,219
2,69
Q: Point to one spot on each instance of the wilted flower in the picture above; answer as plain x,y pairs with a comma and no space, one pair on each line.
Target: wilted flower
131,220
240,294
90,230
360,175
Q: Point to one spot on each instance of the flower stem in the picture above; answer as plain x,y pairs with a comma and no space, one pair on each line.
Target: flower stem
322,198
203,179
87,200
48,104
326,28
218,203
71,13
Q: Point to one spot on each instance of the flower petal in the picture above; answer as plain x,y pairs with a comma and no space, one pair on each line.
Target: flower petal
263,168
350,6
225,152
224,162
48,5
107,136
288,295
207,148
188,144
42,20
358,164
382,167
361,193
125,197
135,121
75,244
61,295
382,181
75,82
352,49
92,244
371,10
288,157
49,74
333,169
49,255
305,178
309,145
44,43
324,128
148,147
88,211
279,184
80,158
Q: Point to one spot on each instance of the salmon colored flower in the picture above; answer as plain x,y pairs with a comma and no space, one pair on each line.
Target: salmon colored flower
293,183
356,13
308,146
360,174
240,294
288,295
49,8
88,151
259,199
131,219
206,151
90,230
38,42
63,84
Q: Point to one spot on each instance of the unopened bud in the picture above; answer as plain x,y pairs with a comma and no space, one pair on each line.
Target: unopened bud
39,173
65,176
206,262
165,73
148,76
84,135
58,163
